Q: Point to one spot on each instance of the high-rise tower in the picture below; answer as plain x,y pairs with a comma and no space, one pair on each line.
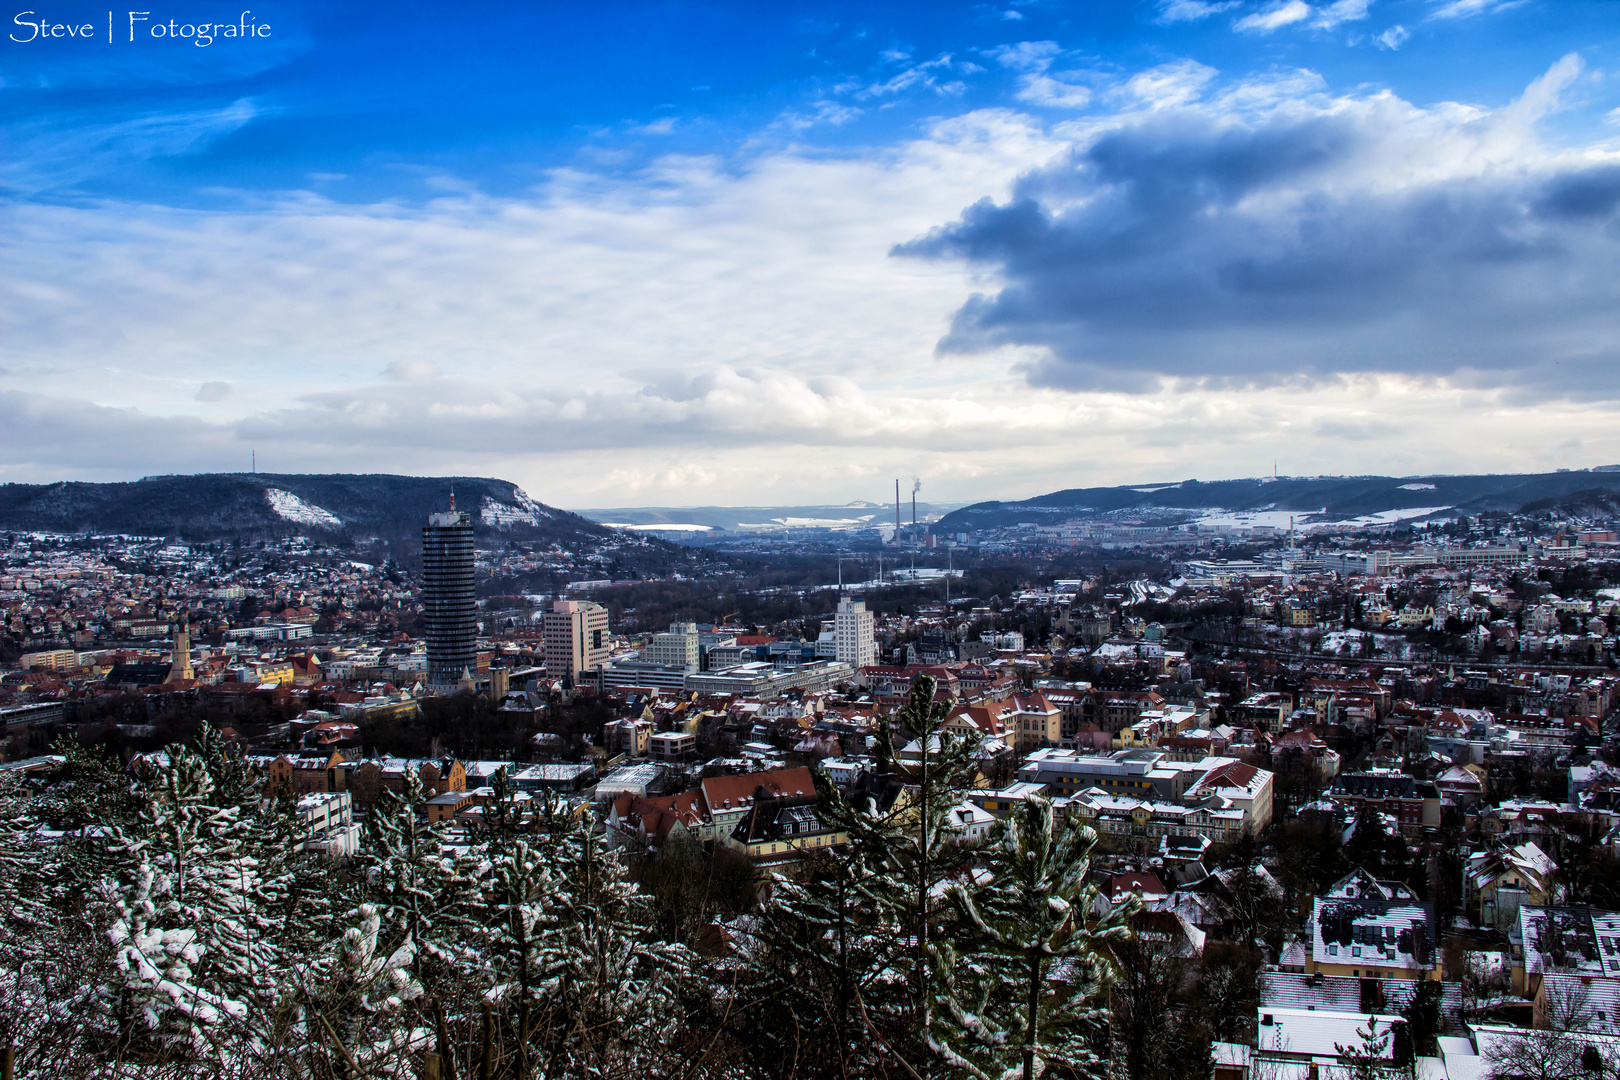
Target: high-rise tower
449,598
853,633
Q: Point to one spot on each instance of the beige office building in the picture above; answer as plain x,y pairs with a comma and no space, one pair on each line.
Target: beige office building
576,638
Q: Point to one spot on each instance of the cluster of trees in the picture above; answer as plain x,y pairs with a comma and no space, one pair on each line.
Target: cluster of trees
474,728
164,923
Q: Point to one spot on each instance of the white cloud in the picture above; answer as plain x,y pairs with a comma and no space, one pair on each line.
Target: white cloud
1171,84
1026,55
830,113
1275,17
41,154
1341,11
1053,92
985,441
1463,9
926,75
699,304
1171,11
1039,85
737,331
1393,38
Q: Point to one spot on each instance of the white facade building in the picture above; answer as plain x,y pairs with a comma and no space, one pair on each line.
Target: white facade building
852,630
676,648
328,821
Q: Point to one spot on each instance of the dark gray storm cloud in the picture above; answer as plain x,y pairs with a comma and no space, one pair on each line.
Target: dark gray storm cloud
1302,243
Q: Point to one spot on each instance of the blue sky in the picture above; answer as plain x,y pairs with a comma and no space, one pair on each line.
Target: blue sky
709,253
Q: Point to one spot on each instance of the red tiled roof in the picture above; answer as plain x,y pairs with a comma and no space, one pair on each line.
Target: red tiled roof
731,792
1124,884
1238,774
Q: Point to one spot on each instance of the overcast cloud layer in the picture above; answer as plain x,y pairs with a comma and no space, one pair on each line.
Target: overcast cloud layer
1111,274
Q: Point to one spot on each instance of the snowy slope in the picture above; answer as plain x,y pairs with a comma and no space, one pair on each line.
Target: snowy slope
291,508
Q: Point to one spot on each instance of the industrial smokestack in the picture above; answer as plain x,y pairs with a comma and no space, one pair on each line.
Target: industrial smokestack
897,509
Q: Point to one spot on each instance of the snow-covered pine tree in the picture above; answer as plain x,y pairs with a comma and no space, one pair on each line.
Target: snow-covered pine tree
1024,987
834,958
300,894
236,782
921,847
24,864
607,983
156,988
194,949
420,890
371,980
852,939
91,801
357,993
519,898
504,817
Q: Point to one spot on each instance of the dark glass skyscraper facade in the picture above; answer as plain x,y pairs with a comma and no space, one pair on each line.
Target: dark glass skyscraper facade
449,598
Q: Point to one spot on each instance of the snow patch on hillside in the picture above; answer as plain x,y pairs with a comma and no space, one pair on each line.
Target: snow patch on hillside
290,507
496,514
1417,487
1389,517
521,511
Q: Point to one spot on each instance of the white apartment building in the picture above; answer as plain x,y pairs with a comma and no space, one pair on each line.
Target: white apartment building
328,821
852,632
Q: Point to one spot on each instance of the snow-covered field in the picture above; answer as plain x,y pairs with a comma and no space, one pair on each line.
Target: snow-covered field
1385,517
863,521
1279,519
290,507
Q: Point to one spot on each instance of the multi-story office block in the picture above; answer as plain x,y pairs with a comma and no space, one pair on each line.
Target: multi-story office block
576,638
677,648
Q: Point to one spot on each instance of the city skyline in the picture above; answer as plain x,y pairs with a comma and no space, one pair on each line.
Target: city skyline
707,255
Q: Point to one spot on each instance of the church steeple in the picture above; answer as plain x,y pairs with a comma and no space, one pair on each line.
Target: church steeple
180,659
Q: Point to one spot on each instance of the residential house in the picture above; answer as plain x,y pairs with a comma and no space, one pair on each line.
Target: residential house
1500,882
1364,928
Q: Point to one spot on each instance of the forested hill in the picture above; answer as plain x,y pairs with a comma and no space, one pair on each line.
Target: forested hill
1315,498
218,505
